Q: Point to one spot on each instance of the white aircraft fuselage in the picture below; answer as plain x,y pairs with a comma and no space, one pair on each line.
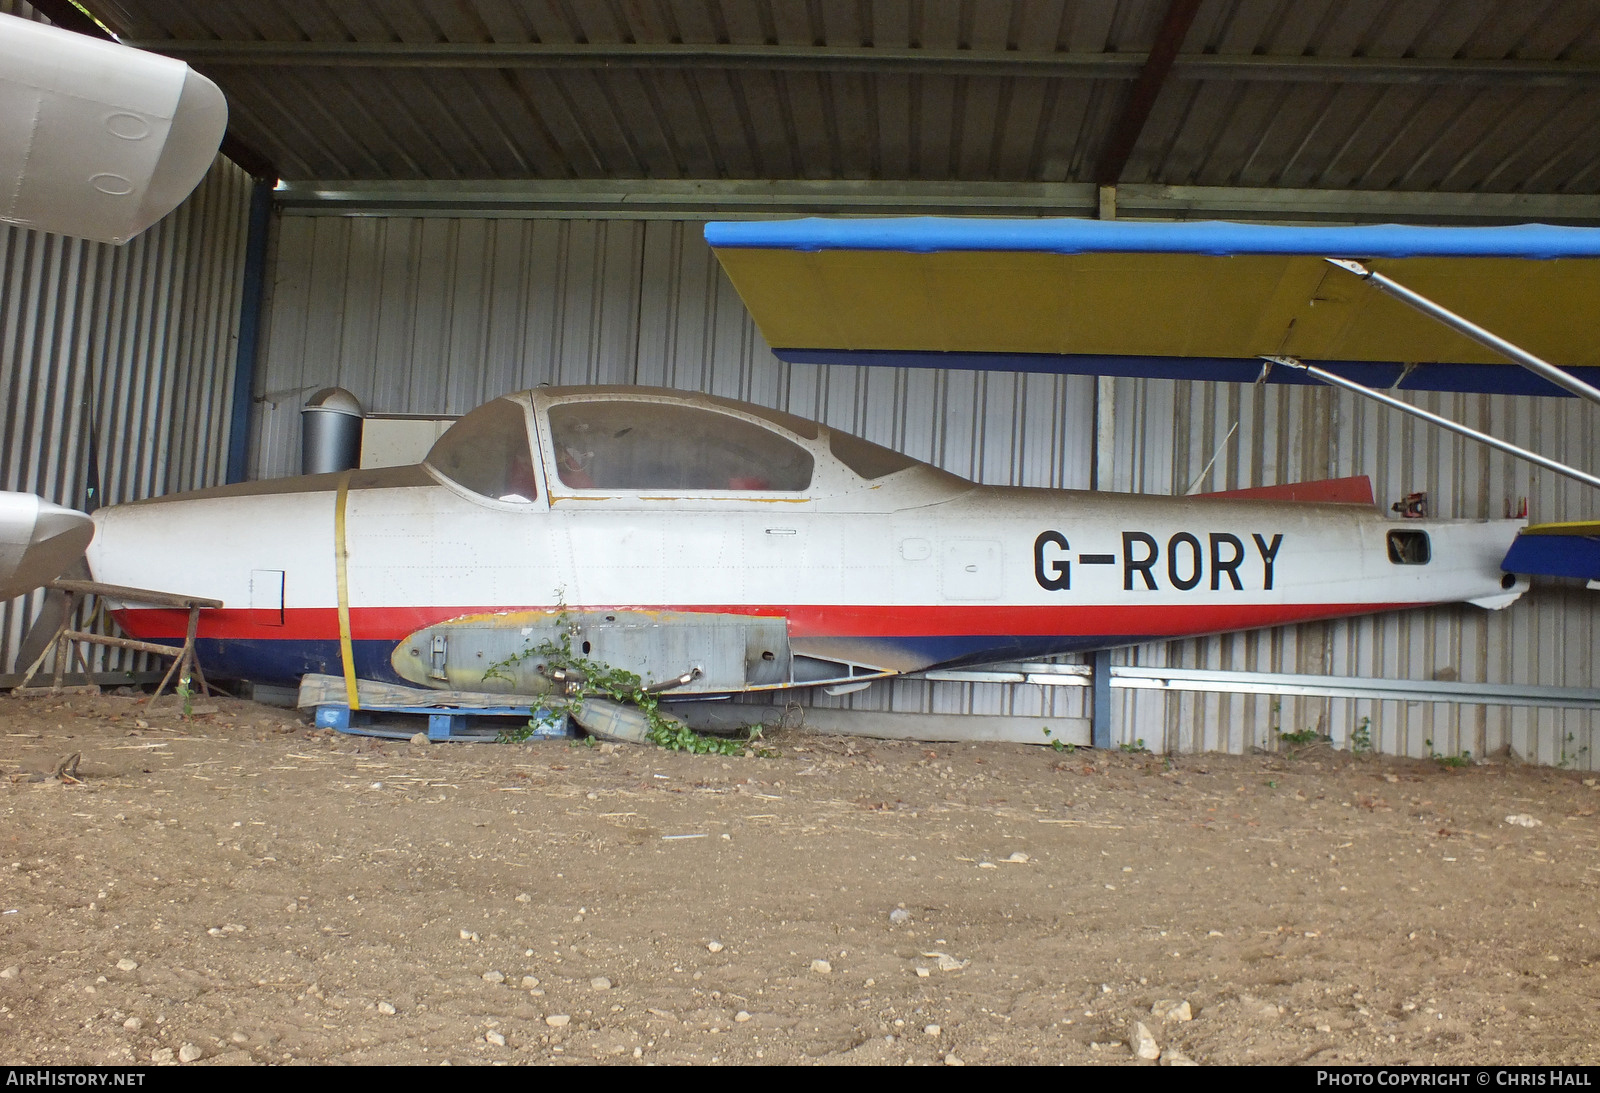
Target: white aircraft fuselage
679,535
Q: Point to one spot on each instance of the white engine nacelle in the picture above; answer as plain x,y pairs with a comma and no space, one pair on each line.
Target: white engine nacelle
98,140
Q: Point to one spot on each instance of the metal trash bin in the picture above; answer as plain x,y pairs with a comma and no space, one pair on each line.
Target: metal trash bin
330,438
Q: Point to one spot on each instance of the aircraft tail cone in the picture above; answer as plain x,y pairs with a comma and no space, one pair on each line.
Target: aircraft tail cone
1479,547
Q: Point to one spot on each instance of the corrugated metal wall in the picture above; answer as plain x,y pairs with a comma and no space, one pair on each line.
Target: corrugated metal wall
127,350
1166,433
435,315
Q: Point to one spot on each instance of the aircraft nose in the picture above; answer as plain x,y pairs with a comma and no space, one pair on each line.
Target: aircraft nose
38,541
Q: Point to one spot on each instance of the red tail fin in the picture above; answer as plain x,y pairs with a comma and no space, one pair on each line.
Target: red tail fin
1338,491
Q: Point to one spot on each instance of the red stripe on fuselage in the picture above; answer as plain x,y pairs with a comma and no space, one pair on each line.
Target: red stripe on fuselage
805,620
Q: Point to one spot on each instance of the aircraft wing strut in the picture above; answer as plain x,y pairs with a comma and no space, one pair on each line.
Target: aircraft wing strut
1472,330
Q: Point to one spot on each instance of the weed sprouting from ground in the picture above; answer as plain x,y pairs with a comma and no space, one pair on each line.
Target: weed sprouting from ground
1361,738
1059,744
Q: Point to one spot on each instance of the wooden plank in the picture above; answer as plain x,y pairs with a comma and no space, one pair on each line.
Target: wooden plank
134,595
78,679
326,690
123,643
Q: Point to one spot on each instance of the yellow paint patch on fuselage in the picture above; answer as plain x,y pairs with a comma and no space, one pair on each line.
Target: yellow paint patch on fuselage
1571,527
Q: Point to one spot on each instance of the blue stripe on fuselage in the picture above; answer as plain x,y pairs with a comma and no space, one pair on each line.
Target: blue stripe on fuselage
270,661
285,661
956,651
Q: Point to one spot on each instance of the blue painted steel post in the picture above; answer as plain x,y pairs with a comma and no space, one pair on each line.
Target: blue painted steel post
252,297
1100,717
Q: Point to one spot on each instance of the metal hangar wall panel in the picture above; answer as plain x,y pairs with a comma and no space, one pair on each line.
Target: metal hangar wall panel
1167,431
127,352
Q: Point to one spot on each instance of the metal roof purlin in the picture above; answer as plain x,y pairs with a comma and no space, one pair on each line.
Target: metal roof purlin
691,199
967,62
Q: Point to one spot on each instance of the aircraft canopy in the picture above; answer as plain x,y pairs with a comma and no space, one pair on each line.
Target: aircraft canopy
645,440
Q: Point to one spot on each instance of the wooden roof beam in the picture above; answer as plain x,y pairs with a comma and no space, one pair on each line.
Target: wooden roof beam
1142,98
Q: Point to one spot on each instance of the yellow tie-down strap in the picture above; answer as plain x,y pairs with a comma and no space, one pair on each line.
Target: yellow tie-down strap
341,559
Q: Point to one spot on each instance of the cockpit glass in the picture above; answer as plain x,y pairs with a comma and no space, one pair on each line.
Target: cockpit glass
487,453
626,445
867,459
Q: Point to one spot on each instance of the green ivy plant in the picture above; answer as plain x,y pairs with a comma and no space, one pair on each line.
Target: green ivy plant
1299,739
581,677
1568,757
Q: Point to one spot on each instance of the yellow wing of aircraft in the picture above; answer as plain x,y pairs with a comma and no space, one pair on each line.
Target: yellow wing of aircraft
1190,300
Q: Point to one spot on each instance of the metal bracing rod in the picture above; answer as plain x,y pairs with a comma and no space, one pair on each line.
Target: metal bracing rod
1046,674
1472,330
1443,422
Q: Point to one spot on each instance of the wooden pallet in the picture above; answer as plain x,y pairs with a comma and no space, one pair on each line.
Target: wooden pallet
441,723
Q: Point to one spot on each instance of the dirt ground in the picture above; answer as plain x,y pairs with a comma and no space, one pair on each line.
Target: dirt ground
240,888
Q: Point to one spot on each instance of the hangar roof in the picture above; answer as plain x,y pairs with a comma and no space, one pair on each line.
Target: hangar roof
1490,104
